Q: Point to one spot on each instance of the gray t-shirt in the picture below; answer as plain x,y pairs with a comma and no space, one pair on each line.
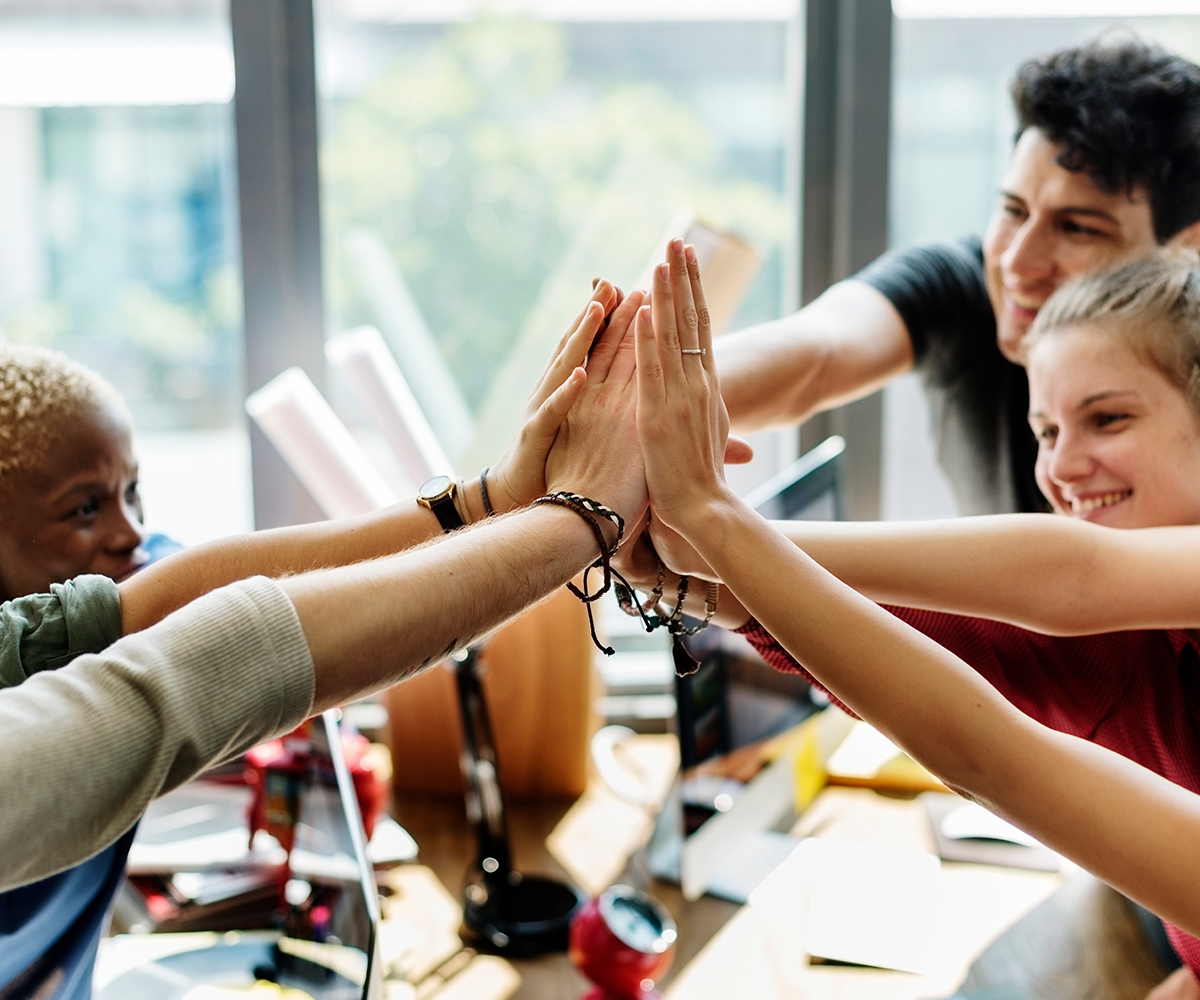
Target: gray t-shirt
47,631
978,399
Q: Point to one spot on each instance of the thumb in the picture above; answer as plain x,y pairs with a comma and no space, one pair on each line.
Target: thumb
737,451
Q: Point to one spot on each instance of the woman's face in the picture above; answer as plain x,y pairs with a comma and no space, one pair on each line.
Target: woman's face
79,513
1118,443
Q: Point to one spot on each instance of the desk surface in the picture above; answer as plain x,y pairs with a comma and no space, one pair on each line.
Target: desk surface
1066,938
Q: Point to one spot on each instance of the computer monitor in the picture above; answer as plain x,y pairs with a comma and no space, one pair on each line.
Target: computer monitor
316,933
733,699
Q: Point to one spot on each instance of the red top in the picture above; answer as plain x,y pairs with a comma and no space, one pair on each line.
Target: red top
1136,693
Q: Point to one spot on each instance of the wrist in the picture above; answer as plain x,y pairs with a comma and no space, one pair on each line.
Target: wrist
470,502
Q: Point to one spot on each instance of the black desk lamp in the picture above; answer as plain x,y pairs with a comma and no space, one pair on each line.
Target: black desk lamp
506,911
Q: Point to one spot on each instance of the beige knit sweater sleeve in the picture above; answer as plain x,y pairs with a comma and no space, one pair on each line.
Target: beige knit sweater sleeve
84,749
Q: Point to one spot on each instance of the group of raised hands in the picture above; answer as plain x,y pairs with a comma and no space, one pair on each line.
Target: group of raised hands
629,411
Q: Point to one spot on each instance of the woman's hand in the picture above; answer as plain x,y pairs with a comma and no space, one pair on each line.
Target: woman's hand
519,477
682,423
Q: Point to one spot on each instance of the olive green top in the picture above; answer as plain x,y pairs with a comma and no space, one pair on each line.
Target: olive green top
47,631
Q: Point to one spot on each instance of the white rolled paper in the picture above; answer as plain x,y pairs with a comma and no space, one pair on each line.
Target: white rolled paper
363,358
317,447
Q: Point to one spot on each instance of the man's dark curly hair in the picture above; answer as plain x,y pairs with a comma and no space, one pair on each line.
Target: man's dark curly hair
1128,114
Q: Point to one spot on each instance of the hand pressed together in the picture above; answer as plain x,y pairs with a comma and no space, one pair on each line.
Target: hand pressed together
682,423
596,453
519,476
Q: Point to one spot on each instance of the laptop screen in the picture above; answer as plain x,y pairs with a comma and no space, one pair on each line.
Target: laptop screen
243,914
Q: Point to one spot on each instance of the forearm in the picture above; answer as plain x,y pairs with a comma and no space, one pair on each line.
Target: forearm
842,346
156,591
1129,826
1044,572
372,624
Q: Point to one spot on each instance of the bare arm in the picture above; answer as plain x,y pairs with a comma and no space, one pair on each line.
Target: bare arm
514,481
840,347
1044,572
156,707
1131,827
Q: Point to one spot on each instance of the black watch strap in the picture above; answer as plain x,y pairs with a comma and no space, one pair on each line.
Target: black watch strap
438,495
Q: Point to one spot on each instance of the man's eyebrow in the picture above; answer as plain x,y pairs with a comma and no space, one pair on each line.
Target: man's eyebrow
1097,213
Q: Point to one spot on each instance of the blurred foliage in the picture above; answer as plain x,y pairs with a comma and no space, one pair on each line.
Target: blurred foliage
38,323
479,159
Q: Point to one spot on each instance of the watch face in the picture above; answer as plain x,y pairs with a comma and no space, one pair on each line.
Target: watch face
436,487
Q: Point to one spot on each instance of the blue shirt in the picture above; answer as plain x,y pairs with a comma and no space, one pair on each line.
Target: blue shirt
50,930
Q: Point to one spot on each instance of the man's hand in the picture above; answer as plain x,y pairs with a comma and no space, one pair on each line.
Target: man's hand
597,453
519,477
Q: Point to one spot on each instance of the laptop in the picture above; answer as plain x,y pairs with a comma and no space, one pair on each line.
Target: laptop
313,933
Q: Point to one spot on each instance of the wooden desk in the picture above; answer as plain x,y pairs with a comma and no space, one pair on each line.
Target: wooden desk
447,845
1028,934
1077,938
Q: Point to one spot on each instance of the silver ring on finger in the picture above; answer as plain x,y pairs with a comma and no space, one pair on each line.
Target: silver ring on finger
697,350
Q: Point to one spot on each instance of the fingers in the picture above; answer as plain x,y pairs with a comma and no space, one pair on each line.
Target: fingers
700,305
649,370
718,419
686,319
666,332
609,345
572,353
540,431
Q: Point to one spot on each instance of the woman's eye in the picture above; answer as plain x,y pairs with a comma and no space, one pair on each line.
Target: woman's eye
86,509
1045,435
1110,419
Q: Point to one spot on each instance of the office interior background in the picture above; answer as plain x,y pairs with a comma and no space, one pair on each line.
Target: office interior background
486,158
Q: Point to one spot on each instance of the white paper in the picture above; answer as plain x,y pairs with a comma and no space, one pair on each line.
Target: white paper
852,902
862,753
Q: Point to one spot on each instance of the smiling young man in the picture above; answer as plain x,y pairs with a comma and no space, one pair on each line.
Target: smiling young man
1106,167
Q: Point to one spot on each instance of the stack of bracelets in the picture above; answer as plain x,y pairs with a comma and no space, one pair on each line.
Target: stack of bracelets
674,623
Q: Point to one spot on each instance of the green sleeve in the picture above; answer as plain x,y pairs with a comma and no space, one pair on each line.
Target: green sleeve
47,631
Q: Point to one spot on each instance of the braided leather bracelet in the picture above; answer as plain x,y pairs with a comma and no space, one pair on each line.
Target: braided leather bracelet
589,509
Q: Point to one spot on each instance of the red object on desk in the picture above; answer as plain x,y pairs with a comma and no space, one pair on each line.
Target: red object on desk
623,941
279,769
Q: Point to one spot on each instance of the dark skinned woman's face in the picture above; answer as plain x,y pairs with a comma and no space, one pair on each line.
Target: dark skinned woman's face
78,513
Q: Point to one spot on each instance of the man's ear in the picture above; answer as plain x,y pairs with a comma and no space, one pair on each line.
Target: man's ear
1188,236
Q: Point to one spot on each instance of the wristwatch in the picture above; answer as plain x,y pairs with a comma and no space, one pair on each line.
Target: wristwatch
438,495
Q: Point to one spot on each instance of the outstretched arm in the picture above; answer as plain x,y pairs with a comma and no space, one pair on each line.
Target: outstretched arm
840,347
513,482
1043,572
94,742
1131,827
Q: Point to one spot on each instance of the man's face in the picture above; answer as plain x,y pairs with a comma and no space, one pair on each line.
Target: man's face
1052,225
79,513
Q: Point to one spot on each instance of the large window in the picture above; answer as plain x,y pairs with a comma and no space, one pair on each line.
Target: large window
120,239
491,167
